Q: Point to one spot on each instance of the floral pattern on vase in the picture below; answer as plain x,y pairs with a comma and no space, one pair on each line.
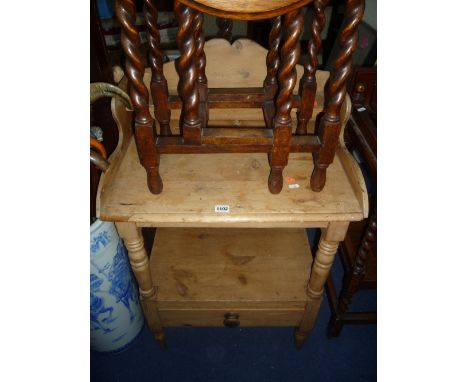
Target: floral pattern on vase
122,284
116,317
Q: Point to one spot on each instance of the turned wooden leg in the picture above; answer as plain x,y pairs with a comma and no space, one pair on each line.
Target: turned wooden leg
224,28
139,262
351,284
308,83
270,84
323,260
335,92
290,51
145,133
188,75
159,90
200,60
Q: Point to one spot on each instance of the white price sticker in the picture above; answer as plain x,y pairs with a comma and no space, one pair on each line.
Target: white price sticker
222,208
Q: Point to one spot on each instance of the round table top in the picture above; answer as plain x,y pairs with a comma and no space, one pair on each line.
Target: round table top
245,9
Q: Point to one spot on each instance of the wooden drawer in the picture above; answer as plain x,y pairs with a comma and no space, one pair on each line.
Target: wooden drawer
231,317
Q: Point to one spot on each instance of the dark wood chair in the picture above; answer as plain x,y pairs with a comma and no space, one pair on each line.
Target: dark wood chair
275,97
358,251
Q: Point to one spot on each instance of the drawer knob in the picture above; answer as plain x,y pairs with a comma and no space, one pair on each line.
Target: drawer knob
231,320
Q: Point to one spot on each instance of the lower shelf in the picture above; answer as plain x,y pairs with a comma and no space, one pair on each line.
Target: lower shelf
204,275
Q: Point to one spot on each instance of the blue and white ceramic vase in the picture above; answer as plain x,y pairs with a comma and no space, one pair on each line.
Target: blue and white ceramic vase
116,317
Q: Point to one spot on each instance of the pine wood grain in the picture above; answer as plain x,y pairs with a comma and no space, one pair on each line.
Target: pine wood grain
215,317
197,182
200,268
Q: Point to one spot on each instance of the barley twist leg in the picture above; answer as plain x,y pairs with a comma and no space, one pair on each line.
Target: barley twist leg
188,74
159,90
290,51
351,284
145,133
308,83
200,59
335,93
270,84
